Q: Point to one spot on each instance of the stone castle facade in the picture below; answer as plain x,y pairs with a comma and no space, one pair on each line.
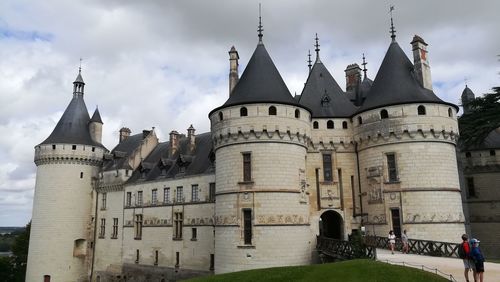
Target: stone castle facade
274,172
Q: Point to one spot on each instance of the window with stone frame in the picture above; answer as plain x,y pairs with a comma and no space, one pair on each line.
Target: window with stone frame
102,230
247,167
166,195
211,192
194,234
139,198
128,201
471,189
179,194
103,201
154,196
327,168
195,193
315,125
178,224
247,226
138,227
392,170
114,234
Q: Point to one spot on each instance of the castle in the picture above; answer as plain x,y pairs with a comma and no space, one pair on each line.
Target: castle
274,172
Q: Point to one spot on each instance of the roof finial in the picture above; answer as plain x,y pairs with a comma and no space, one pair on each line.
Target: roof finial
317,47
364,65
80,68
465,81
309,60
393,30
260,29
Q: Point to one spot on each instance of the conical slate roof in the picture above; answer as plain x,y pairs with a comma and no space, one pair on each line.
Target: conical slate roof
467,94
96,117
323,96
396,83
260,83
79,78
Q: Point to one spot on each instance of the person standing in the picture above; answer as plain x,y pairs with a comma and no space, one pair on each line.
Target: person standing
404,239
464,253
478,258
392,240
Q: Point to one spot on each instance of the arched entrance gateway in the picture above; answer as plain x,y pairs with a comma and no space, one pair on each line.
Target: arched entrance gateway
331,225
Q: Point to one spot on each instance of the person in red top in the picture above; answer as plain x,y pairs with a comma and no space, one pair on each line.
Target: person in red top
468,263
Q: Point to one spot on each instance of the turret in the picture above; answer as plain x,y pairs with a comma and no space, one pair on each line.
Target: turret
233,68
95,126
467,97
191,138
421,62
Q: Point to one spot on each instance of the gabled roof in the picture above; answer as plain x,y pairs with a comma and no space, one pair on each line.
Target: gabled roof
260,83
323,96
396,83
96,117
73,127
122,151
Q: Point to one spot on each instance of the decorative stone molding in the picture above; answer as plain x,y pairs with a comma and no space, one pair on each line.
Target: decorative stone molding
424,218
230,138
290,219
67,160
367,140
221,220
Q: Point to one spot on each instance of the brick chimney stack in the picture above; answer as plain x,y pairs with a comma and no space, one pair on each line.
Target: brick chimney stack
174,142
352,76
421,62
233,69
124,133
191,138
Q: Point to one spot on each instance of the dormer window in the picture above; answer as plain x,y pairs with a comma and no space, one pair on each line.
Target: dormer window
384,114
421,110
325,100
243,112
272,111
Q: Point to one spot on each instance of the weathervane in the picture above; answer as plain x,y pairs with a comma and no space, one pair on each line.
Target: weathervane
364,65
393,30
260,29
317,47
80,68
309,60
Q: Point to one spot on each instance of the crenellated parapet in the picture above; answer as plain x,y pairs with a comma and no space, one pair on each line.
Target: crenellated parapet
68,154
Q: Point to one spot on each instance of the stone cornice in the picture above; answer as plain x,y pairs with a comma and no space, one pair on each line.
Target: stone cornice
110,188
394,137
253,136
67,160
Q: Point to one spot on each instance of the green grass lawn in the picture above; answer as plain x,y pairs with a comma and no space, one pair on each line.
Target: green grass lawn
347,271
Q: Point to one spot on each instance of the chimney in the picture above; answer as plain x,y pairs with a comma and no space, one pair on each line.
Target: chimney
174,142
421,62
191,138
352,76
124,133
233,69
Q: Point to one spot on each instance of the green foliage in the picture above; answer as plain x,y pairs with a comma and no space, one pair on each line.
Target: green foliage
347,271
484,117
13,268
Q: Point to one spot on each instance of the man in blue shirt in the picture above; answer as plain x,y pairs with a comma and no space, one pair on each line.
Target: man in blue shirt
478,258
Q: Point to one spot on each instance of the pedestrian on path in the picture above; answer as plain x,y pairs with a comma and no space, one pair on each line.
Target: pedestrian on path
478,258
404,239
392,240
464,254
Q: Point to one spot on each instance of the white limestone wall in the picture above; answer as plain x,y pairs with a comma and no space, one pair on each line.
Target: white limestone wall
62,212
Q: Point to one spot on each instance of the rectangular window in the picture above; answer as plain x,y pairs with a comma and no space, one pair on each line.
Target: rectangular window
247,167
327,167
102,231
53,147
212,261
471,190
103,201
211,192
154,196
73,147
139,198
178,225
177,259
138,227
137,256
247,226
194,234
128,202
194,193
115,228
391,167
156,257
179,194
166,195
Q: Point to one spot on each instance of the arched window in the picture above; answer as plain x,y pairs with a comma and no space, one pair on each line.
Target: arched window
421,110
360,120
297,113
272,111
329,124
221,116
243,112
450,112
315,125
344,124
384,114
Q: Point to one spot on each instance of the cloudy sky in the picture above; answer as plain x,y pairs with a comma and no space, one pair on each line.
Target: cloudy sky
164,64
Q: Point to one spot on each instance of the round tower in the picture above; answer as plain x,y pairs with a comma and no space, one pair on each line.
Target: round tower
406,138
260,136
67,164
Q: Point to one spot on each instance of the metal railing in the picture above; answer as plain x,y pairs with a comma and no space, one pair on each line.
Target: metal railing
344,249
415,246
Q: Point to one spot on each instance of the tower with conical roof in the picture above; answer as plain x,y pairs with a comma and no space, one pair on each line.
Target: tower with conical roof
406,138
260,136
67,162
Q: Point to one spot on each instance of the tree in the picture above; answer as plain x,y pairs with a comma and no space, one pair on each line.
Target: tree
20,253
483,117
